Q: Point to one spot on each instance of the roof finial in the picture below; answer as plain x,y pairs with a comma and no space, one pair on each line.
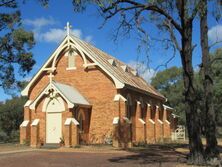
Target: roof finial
68,27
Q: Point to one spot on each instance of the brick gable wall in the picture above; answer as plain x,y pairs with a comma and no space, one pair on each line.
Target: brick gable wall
94,85
99,90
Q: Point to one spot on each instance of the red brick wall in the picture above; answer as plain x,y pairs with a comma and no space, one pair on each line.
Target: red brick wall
140,128
166,124
94,85
150,127
152,132
158,125
99,89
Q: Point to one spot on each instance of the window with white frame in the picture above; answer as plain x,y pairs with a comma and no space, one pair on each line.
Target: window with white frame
71,59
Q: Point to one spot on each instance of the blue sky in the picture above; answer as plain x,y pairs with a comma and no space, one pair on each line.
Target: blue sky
48,26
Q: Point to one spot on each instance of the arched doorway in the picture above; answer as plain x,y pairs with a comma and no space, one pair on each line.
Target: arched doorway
53,108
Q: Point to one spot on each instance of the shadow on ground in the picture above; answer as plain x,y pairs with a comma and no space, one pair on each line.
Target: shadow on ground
154,154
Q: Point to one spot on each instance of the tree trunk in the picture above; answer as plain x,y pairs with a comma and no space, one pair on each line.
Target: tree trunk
192,119
211,150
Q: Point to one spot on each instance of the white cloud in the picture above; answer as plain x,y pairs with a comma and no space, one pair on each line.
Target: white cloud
145,72
38,23
56,35
53,34
88,38
215,33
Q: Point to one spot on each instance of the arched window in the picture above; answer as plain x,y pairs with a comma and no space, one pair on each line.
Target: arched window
71,59
161,113
81,121
142,109
153,111
129,107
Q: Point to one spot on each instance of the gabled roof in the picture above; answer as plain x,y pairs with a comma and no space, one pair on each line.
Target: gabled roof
121,77
128,78
72,94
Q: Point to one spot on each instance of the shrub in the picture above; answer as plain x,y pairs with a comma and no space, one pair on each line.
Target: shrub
3,137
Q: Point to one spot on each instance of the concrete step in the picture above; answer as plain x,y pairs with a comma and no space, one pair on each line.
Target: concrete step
50,146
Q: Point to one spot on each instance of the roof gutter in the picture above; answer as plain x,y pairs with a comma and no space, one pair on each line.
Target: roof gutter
145,92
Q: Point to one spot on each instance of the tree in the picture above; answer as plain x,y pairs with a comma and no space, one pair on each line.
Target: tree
211,150
176,18
216,62
169,82
11,115
15,45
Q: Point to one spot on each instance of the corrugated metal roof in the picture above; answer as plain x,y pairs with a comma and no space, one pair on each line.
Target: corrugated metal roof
127,77
72,94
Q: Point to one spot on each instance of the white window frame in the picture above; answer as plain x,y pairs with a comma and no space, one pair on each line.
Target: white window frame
74,54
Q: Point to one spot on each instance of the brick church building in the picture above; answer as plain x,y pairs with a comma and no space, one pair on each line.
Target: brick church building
82,95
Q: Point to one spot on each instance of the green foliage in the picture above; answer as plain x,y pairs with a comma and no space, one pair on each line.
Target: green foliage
3,137
11,116
15,45
170,83
217,76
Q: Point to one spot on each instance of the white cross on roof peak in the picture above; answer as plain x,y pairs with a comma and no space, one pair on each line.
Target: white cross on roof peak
68,27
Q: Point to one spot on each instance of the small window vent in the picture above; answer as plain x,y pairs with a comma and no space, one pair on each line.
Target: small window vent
112,62
125,68
134,72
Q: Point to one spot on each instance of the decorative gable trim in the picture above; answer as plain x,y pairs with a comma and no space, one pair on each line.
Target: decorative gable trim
46,92
87,51
67,42
44,67
27,104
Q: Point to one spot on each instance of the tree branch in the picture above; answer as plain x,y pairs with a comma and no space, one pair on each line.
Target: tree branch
215,59
143,7
168,61
167,23
215,43
196,9
9,3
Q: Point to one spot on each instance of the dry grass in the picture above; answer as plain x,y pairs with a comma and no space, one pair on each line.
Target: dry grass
12,147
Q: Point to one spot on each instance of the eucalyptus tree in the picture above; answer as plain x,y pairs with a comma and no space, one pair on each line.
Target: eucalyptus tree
211,150
15,45
175,17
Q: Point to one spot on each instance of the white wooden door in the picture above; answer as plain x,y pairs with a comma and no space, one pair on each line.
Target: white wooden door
53,127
